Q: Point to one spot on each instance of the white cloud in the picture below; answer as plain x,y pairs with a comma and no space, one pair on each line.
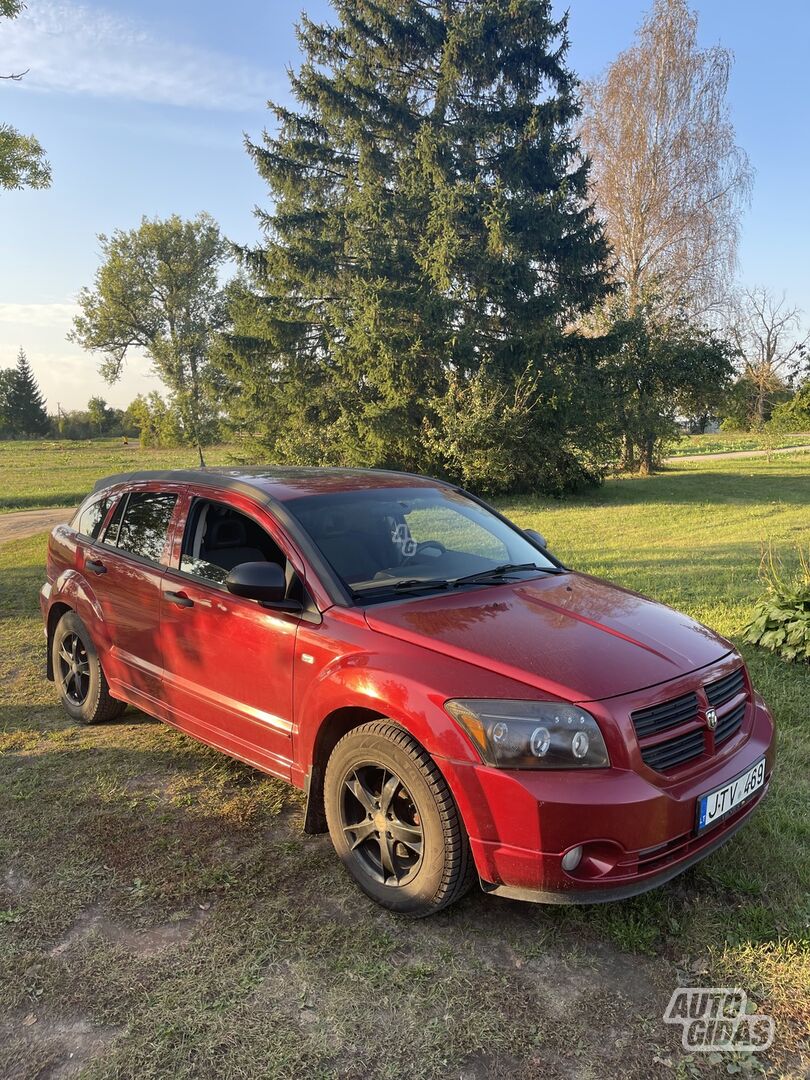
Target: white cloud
71,378
38,314
66,374
87,50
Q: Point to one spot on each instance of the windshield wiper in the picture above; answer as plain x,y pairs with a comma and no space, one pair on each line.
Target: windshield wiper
405,585
499,572
422,583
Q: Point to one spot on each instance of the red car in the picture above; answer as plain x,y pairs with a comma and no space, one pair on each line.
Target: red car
453,700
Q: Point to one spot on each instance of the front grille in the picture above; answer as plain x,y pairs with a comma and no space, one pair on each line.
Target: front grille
666,755
729,724
684,712
726,688
668,714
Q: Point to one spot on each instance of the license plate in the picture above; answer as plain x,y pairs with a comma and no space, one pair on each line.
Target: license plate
715,805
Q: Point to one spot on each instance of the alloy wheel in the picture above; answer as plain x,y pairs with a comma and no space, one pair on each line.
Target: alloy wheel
74,669
382,824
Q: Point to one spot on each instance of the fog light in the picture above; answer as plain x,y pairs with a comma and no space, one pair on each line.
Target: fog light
570,860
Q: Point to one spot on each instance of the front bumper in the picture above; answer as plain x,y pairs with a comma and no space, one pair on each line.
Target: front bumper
637,833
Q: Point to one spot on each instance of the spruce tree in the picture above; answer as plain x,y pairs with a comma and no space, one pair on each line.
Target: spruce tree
430,224
26,413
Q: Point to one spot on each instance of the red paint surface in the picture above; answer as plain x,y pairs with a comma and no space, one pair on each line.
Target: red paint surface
236,676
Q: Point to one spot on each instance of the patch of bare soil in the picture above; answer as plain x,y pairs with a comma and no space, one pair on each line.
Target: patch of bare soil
158,784
141,941
36,1046
14,883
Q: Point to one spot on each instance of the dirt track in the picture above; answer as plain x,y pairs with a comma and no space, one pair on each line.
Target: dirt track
736,454
25,523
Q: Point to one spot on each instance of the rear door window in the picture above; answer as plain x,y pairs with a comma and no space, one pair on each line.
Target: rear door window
145,524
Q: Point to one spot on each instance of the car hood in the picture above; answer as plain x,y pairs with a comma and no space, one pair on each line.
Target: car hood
570,635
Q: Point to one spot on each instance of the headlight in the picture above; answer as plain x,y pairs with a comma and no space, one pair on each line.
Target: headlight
532,734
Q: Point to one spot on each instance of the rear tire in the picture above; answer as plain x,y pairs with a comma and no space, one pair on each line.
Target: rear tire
394,822
77,673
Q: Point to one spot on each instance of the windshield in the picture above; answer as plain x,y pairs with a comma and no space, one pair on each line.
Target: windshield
387,540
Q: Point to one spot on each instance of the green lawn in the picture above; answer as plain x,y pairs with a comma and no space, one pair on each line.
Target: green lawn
51,473
722,443
161,913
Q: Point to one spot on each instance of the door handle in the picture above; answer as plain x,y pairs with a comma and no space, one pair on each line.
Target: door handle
179,598
96,566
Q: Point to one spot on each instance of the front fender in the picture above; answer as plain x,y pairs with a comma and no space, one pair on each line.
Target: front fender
391,684
394,685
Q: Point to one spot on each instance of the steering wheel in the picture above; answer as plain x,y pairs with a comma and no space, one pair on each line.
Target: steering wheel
430,544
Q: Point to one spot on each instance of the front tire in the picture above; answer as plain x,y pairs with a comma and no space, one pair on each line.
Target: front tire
394,822
77,672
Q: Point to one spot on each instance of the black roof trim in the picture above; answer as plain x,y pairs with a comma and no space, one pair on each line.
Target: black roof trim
239,479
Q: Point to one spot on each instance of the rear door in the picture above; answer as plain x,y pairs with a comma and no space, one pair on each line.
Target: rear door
126,568
227,660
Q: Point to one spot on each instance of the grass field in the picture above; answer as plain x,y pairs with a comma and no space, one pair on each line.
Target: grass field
162,914
723,443
48,473
35,475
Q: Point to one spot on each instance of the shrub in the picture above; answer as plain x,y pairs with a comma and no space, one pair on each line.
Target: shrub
489,434
733,425
781,619
793,415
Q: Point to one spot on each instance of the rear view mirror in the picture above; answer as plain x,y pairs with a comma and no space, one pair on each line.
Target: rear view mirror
536,537
262,581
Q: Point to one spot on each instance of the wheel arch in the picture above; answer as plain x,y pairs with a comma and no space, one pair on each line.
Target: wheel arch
55,613
331,730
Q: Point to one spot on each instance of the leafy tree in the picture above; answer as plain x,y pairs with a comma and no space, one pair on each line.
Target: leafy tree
430,232
84,424
793,415
22,406
154,420
660,367
22,159
158,289
100,414
6,384
486,431
669,178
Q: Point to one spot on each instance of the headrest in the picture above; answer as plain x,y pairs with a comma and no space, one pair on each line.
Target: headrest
334,523
229,532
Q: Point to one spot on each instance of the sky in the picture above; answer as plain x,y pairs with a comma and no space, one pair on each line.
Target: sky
143,108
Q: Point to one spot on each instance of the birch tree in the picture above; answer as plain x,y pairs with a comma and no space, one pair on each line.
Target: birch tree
669,178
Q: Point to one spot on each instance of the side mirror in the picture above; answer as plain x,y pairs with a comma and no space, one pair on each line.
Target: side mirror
262,581
536,537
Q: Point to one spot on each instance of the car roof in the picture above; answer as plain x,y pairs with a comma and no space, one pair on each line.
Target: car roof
271,483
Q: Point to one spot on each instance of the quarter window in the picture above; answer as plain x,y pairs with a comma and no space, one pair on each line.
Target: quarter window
145,524
92,517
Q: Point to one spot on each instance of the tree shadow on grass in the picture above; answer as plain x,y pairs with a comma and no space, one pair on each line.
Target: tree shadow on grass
59,499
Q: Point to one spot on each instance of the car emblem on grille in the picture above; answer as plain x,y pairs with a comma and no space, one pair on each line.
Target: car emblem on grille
711,719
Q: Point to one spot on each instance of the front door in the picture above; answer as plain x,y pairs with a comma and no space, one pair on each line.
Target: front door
227,660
